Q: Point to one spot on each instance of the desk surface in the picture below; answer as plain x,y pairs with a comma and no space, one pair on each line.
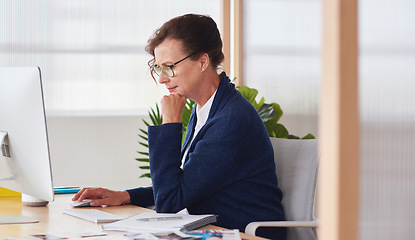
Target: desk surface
52,220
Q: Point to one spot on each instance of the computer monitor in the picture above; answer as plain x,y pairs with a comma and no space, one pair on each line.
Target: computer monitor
24,157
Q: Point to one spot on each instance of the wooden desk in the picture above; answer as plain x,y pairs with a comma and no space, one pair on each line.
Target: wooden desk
52,220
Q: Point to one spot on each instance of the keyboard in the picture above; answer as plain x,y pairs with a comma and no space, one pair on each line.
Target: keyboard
92,215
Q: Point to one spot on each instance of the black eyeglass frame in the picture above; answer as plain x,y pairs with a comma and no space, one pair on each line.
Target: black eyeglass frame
158,69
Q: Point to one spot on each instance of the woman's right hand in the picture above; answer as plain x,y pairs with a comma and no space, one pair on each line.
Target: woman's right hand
172,107
103,196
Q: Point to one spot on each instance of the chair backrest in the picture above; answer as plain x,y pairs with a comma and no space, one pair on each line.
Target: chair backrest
296,163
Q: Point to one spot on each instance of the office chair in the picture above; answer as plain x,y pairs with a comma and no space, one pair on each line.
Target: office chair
296,167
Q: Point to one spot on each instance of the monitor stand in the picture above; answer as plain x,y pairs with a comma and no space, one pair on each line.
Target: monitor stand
32,201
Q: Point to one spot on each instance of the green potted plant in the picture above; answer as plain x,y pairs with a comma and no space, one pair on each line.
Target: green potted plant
270,114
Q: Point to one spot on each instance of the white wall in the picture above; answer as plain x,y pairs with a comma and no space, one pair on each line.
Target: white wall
96,151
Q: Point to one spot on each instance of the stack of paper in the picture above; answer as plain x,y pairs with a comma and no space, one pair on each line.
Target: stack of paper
161,222
189,235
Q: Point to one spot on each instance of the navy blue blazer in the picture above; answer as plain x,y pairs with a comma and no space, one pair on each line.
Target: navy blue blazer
229,170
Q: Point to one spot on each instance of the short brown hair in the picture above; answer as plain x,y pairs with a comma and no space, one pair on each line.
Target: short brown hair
197,33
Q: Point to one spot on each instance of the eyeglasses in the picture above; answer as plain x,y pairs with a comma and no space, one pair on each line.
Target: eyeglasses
168,69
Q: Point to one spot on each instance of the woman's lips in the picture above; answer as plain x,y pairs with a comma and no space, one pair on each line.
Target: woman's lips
171,89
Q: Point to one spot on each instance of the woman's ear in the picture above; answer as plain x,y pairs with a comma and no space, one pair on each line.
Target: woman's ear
204,61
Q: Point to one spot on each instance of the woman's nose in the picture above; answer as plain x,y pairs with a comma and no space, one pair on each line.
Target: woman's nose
163,78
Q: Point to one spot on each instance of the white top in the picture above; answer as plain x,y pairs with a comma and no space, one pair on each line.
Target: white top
202,115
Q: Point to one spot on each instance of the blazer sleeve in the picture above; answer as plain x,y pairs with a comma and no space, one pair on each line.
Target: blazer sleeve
142,197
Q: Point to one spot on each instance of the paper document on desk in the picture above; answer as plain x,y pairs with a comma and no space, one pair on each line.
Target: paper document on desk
160,222
188,235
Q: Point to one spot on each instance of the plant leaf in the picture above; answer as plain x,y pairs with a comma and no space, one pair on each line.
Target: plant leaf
280,131
144,138
147,175
267,112
250,94
309,136
143,144
146,123
144,167
143,159
144,153
278,111
261,102
153,117
159,117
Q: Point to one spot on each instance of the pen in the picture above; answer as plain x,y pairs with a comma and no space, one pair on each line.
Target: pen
159,219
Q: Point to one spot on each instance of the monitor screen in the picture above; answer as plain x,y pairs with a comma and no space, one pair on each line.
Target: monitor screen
24,157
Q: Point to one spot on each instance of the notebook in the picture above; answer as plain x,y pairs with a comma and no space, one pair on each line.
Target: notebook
161,222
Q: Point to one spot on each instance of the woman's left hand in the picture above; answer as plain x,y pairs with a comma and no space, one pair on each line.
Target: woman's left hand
172,108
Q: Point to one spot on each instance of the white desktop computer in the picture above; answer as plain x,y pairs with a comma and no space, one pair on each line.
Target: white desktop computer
24,157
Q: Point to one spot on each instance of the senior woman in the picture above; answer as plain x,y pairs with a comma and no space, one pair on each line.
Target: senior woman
225,166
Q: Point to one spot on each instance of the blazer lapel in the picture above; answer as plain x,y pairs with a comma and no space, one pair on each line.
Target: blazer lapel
190,131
